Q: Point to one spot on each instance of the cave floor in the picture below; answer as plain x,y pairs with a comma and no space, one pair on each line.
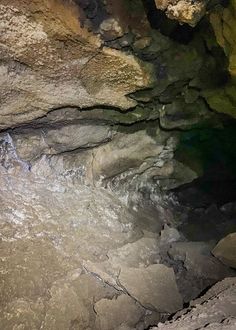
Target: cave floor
76,257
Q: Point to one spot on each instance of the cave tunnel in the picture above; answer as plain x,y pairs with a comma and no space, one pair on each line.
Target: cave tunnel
117,165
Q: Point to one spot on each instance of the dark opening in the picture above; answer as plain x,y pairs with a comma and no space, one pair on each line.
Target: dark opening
171,28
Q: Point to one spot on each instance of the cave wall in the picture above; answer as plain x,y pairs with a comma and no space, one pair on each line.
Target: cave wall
105,106
72,67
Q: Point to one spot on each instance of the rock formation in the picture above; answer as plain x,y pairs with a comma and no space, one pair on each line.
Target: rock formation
184,11
106,120
214,310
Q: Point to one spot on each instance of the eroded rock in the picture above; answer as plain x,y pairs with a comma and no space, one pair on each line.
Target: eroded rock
184,11
34,37
225,250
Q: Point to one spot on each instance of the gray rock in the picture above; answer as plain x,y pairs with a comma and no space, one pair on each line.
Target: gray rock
169,235
31,144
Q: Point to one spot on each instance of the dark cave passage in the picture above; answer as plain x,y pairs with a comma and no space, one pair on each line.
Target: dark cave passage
209,202
158,20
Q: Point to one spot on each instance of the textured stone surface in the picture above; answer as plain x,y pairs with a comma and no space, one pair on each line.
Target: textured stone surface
31,144
138,254
184,11
75,255
225,250
112,313
215,310
223,22
153,287
83,235
200,269
49,61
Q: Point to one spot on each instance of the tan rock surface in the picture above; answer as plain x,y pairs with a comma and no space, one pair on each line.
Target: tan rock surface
216,310
184,11
112,313
225,250
49,61
154,287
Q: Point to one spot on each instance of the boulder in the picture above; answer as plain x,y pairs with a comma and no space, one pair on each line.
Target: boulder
225,250
184,11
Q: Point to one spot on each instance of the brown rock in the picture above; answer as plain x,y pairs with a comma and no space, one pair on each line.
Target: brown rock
225,250
154,287
213,311
49,61
184,11
116,312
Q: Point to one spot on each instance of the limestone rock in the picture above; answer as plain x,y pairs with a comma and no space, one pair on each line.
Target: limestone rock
59,218
154,287
125,153
174,174
225,250
64,308
141,253
31,144
199,268
184,11
223,21
112,27
49,61
122,310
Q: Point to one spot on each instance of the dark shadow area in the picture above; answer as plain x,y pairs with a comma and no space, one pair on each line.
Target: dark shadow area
208,204
171,28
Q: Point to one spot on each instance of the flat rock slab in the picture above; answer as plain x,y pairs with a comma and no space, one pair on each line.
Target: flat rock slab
225,250
154,287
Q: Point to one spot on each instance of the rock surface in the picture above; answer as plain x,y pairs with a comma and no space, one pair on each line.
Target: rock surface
94,103
223,22
184,11
225,250
215,310
153,286
46,59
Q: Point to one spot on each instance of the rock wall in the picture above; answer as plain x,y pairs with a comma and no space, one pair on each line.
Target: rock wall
223,22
